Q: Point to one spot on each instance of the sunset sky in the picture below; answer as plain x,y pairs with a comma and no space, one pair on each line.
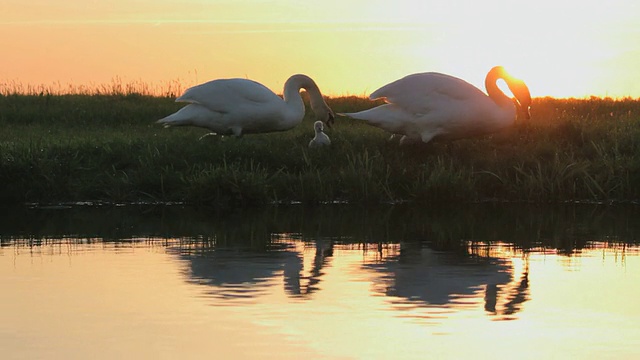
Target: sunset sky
560,48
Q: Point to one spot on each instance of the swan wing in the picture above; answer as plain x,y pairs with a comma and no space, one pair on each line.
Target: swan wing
321,139
227,95
425,92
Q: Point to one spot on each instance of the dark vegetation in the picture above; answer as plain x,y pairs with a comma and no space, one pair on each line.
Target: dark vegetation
107,147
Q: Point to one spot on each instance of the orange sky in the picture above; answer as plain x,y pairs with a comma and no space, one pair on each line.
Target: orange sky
559,47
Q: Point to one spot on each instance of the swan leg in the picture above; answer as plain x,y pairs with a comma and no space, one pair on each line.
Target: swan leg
427,136
237,131
406,140
207,134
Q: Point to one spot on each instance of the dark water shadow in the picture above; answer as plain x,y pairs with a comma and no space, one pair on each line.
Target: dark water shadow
567,228
241,255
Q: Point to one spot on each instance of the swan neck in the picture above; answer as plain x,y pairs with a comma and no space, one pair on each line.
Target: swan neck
491,84
297,82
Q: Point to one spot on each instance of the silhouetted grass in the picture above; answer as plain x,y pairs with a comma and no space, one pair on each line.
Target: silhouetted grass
58,148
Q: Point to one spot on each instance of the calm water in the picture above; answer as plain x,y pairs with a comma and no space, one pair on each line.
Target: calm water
486,281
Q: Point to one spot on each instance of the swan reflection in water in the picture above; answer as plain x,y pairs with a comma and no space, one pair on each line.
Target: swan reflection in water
418,276
515,294
234,274
411,276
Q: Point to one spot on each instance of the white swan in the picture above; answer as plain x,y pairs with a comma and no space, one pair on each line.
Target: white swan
320,139
241,106
432,105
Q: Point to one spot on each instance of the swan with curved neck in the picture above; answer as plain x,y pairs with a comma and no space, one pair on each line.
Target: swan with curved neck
427,106
242,106
521,99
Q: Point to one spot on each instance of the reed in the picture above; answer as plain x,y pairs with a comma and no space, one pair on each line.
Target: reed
106,146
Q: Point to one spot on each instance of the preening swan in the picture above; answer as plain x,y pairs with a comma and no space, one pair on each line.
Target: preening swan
320,139
241,106
432,105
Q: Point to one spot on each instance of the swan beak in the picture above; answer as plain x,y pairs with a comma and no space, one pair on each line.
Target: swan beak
330,119
522,111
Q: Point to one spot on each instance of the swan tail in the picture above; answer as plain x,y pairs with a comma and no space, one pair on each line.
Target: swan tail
175,119
374,115
191,114
387,117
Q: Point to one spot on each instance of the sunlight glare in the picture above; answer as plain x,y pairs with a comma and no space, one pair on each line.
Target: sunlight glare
558,48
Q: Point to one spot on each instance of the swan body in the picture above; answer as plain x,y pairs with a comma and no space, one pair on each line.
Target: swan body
425,106
242,106
320,139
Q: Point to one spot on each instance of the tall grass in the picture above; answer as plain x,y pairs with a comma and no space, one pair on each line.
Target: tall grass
117,86
78,147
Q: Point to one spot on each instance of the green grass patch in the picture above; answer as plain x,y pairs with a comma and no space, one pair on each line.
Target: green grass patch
107,147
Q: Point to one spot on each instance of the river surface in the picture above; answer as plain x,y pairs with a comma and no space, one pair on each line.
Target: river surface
481,281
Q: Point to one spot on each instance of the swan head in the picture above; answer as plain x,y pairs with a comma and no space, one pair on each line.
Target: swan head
323,112
522,97
318,126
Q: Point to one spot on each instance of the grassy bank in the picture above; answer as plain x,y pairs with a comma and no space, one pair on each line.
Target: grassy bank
57,148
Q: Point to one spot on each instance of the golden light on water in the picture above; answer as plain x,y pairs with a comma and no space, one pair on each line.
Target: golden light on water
559,48
100,294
